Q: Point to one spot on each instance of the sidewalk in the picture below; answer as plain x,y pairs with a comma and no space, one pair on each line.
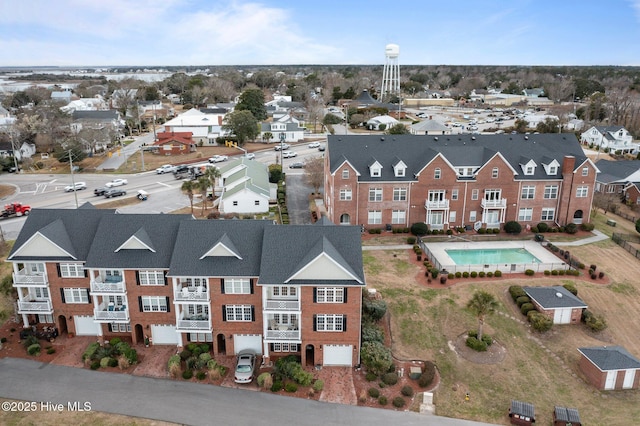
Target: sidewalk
598,237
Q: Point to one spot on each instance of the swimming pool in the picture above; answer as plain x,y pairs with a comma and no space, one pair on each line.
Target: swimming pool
491,256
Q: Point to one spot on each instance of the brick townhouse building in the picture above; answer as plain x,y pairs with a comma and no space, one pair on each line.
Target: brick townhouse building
448,181
241,284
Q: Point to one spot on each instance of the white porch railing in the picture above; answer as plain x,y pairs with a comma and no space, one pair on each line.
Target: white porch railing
23,279
108,313
282,305
110,288
193,325
437,205
191,295
282,335
494,204
35,306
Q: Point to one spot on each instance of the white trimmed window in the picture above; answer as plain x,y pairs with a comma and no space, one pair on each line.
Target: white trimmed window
195,282
472,216
474,194
553,170
399,194
454,194
582,191
237,286
548,214
329,322
284,347
151,277
376,171
398,216
375,217
193,310
528,192
285,292
41,293
329,295
551,192
452,216
120,327
494,173
525,214
437,173
238,313
585,171
345,173
76,295
375,194
345,195
285,319
45,318
71,270
154,304
201,337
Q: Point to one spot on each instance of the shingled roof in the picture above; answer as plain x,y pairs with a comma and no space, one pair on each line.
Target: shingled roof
610,358
554,297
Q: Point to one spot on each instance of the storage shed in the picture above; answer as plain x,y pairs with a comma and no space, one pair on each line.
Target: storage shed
610,367
557,303
522,413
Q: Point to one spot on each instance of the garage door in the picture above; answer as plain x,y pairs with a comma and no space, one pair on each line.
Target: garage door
610,382
164,335
85,326
562,316
252,342
337,355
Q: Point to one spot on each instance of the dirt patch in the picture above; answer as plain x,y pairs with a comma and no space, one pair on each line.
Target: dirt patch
494,354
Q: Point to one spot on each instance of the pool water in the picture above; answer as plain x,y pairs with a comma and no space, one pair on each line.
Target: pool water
491,256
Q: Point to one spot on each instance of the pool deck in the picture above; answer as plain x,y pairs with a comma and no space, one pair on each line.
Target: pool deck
547,260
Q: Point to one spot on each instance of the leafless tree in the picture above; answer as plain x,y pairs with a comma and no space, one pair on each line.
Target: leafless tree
314,173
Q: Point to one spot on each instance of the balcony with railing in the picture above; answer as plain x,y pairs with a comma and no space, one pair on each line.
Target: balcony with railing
191,295
436,204
108,285
500,203
272,304
199,322
35,307
25,278
281,331
109,312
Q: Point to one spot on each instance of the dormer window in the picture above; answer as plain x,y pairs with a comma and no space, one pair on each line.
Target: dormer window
375,169
553,170
399,170
529,170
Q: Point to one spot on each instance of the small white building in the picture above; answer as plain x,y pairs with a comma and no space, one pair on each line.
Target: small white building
244,187
205,127
375,122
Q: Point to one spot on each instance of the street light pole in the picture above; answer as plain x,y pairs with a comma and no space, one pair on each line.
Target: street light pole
73,182
282,137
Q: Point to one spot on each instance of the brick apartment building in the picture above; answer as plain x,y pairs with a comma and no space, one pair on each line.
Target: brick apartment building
448,181
245,284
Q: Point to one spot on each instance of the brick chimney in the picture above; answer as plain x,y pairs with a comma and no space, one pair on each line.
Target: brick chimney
568,164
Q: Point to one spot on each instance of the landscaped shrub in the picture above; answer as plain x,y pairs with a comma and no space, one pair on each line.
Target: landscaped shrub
497,274
428,374
595,323
481,274
411,240
95,365
521,300
91,349
482,231
512,227
450,276
390,379
465,274
571,288
601,274
201,375
419,228
185,353
571,228
374,308
187,374
376,357
261,378
382,400
473,274
539,322
113,362
434,273
554,272
529,272
291,387
104,362
458,274
526,307
547,272
407,391
34,349
398,402
370,377
587,226
475,344
51,350
318,385
485,337
382,385
372,332
516,291
277,386
374,392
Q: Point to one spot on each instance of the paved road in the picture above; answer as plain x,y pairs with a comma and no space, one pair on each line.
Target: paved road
186,403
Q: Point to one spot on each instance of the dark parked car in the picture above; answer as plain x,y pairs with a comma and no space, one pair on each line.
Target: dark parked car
100,191
114,192
296,166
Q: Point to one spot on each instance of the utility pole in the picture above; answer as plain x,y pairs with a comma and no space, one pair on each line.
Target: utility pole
13,149
73,182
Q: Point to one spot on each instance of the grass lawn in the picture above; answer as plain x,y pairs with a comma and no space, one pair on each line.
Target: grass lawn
538,368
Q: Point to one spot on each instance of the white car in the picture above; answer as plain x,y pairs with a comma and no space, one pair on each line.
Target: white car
289,154
314,145
75,187
166,168
283,147
218,158
249,156
116,182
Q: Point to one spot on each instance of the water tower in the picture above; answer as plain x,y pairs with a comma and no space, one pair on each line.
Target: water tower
391,72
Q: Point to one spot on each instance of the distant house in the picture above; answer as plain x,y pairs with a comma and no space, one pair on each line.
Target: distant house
612,138
375,122
533,93
287,128
96,103
244,187
557,303
150,110
632,193
206,128
107,122
522,413
429,127
563,416
175,143
609,367
62,96
615,175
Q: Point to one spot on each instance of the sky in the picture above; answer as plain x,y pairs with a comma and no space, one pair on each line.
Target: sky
339,32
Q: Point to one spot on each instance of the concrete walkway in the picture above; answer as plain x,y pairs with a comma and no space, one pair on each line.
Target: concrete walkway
598,237
395,247
186,403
